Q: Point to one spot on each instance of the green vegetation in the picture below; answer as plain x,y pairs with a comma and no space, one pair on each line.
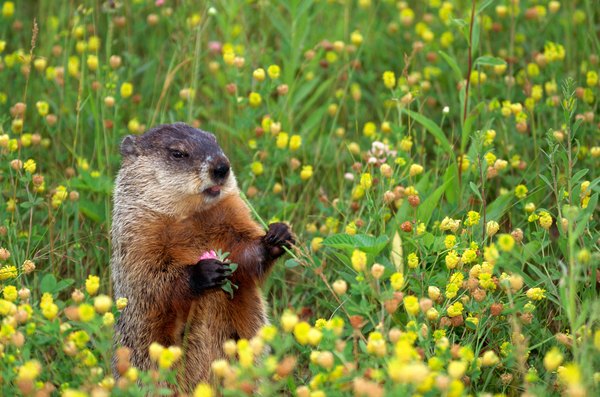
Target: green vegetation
437,160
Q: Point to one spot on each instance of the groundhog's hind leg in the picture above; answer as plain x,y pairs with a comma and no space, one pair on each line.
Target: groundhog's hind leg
205,334
247,312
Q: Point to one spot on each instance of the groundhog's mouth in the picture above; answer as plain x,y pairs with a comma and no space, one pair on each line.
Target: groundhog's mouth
213,191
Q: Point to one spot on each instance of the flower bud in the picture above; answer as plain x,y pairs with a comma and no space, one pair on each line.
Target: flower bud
155,350
288,321
492,228
24,293
517,235
28,266
391,305
489,359
415,169
377,271
230,347
77,296
478,294
388,197
4,254
16,164
220,367
386,170
433,292
18,339
303,391
21,316
496,309
286,366
114,61
282,89
340,287
102,303
553,359
425,304
325,359
406,226
414,200
564,339
516,282
432,314
72,313
122,360
70,349
584,256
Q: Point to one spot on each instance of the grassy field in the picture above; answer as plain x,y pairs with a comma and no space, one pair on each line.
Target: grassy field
438,161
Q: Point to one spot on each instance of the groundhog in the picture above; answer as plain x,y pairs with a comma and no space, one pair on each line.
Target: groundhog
175,199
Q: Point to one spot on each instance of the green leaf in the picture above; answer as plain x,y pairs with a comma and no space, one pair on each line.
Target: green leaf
62,284
312,121
546,181
475,36
462,26
93,210
339,241
34,203
531,249
461,100
428,239
291,263
426,208
475,190
229,287
453,65
307,106
580,174
498,207
433,129
451,182
300,95
468,126
486,60
27,205
483,6
585,216
577,125
48,283
369,244
466,131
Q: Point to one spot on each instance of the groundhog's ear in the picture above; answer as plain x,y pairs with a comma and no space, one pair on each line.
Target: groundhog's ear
129,146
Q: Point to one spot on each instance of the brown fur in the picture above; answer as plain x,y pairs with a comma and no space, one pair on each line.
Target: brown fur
155,237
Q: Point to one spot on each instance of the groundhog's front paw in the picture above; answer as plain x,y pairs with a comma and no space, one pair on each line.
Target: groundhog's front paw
208,274
278,236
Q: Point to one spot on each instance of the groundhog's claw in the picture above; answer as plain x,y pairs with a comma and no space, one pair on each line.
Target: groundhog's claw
208,274
278,236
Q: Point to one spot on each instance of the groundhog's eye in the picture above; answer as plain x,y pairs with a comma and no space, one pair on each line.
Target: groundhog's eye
178,154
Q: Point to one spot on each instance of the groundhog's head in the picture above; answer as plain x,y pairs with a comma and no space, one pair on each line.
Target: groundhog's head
177,166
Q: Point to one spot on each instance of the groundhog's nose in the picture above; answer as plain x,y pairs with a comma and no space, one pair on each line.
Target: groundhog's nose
220,171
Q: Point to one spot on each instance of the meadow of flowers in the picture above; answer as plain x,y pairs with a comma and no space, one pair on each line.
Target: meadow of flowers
438,161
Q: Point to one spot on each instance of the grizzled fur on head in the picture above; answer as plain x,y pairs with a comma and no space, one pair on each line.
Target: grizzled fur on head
174,169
